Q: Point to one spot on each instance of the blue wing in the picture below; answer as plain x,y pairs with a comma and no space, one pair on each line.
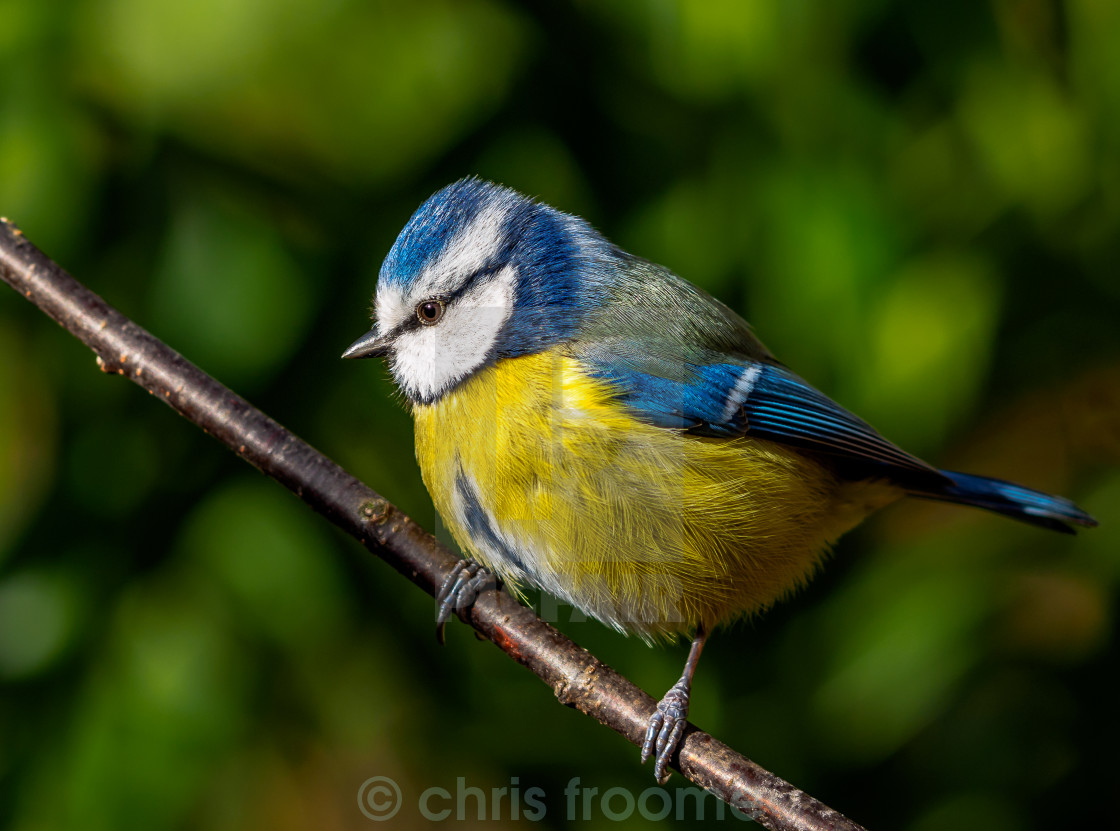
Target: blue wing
738,396
755,398
681,360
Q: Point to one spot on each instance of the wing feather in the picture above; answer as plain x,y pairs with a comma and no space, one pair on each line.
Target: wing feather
681,360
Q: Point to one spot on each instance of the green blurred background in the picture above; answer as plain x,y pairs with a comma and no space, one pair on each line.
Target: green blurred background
918,206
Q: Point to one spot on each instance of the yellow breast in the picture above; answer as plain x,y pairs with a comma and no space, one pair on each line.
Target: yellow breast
546,480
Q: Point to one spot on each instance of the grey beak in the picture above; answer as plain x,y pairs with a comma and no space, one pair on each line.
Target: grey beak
369,345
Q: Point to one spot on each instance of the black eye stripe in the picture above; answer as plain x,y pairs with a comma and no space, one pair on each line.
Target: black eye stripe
413,321
481,274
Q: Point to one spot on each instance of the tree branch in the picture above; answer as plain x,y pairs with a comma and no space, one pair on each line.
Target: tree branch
578,679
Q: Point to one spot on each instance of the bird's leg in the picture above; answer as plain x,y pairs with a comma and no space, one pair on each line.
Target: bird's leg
667,724
460,590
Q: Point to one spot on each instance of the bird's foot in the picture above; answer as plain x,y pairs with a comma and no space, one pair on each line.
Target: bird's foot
665,729
460,590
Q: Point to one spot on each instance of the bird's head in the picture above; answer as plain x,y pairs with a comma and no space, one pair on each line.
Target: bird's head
478,274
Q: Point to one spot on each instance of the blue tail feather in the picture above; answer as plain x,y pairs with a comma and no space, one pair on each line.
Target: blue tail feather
1009,499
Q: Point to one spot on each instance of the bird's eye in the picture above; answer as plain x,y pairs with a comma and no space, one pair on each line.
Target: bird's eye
430,311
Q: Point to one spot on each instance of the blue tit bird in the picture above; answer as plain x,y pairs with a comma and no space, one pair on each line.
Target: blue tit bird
591,424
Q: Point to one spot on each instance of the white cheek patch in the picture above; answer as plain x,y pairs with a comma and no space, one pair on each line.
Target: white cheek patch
431,359
470,251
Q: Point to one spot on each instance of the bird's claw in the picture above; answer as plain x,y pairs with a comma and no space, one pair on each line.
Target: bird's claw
665,728
460,590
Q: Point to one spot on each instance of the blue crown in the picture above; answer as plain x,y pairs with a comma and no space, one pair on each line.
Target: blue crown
557,257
